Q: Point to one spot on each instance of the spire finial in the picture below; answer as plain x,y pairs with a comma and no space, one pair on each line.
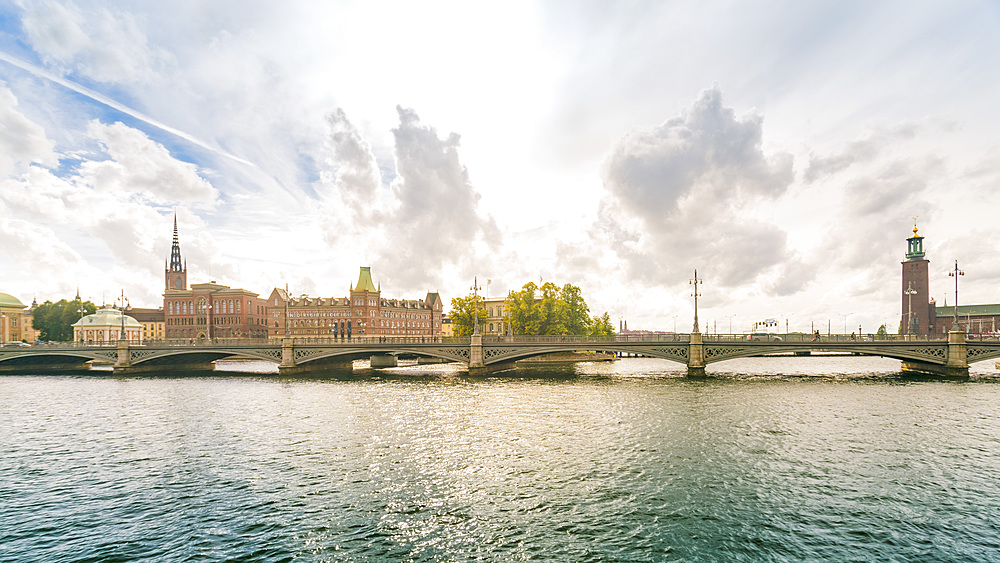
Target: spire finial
915,224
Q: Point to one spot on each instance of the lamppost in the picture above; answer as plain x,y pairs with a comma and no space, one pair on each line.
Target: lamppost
694,293
675,324
475,306
845,320
955,273
208,306
124,306
3,327
910,292
287,299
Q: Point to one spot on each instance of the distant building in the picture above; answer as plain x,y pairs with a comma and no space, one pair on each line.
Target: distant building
972,319
364,312
921,315
497,316
208,310
447,328
105,326
917,306
152,321
15,322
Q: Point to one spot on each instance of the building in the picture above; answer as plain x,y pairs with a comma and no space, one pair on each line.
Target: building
105,326
920,314
917,306
972,319
207,310
15,322
152,322
363,312
497,316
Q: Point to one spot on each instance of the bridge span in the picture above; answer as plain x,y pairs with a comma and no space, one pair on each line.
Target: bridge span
944,357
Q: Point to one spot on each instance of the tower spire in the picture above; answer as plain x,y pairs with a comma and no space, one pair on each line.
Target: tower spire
176,272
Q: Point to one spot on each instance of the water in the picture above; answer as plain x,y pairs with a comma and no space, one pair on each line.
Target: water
796,459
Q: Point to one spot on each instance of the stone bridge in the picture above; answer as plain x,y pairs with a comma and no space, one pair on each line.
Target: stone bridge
948,357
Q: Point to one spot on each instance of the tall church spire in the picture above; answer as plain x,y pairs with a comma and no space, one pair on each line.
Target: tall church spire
175,276
175,250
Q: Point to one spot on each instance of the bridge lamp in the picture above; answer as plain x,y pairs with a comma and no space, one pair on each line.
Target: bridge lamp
845,321
955,273
694,293
910,292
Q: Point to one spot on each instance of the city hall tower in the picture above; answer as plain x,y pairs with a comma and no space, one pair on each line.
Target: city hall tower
915,290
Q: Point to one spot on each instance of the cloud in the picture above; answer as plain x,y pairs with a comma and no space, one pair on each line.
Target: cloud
683,194
438,220
859,151
356,180
103,45
142,166
22,141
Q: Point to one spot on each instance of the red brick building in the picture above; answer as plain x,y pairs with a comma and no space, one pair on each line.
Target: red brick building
364,312
208,310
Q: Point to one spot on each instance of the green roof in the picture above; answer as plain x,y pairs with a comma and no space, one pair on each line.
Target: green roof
365,282
7,300
968,310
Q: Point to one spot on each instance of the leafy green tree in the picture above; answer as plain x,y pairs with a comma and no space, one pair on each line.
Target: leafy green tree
601,326
576,313
54,321
881,332
461,315
526,315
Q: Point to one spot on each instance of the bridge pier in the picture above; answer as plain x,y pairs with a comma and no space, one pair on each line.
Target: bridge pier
476,353
956,366
383,361
491,368
696,356
289,366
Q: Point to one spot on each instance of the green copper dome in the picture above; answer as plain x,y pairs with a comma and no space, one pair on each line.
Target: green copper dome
10,301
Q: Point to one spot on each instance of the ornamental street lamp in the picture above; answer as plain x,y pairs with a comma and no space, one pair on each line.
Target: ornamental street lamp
124,307
845,320
694,293
910,292
475,306
955,273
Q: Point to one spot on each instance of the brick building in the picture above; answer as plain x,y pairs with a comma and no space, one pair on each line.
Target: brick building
921,315
208,310
364,312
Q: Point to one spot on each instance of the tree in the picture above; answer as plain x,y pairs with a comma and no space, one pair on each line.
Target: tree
549,309
881,332
601,326
576,313
461,315
53,321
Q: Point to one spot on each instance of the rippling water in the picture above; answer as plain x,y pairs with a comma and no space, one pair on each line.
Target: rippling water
798,459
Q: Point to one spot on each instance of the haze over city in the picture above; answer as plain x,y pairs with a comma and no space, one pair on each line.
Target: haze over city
782,150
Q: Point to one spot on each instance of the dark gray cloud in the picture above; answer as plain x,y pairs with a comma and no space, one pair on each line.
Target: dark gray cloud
678,195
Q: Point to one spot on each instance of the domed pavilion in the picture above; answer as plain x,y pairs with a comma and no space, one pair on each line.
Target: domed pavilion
105,327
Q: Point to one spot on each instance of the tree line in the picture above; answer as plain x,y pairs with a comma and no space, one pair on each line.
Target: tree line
54,321
536,310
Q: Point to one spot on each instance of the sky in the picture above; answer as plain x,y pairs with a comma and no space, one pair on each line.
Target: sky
781,148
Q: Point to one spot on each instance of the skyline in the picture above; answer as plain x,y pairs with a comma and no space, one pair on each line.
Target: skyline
782,152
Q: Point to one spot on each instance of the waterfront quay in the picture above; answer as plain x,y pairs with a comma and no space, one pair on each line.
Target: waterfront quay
948,357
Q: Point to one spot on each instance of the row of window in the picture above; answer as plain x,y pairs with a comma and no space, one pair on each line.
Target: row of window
347,313
385,324
219,306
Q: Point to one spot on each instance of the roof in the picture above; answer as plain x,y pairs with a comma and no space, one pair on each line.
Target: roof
971,310
365,282
7,300
107,316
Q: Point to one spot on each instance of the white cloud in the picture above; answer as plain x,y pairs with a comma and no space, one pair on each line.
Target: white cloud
141,166
102,44
22,141
678,196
